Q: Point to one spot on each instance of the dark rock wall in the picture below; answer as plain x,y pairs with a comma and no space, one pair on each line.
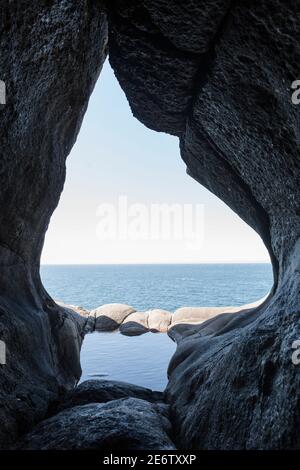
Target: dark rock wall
218,75
51,53
158,68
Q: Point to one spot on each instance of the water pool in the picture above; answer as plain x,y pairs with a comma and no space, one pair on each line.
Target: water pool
141,360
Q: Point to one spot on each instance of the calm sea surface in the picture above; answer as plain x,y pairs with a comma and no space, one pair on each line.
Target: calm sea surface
143,360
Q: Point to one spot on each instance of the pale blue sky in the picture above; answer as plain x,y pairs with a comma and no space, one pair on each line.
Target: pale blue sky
115,155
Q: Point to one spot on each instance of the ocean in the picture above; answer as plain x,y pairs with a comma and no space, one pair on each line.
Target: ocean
143,360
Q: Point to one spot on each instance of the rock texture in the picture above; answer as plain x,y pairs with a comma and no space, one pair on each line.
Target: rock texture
88,321
125,424
102,391
209,320
159,320
109,316
51,54
199,314
135,324
217,74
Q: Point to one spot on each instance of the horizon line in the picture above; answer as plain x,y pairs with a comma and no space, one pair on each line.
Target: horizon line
156,264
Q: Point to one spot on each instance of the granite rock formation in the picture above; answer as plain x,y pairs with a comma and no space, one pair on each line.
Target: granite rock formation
102,391
135,324
108,317
51,55
159,320
124,424
216,74
129,322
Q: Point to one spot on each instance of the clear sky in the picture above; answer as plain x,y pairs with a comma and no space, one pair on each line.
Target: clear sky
116,156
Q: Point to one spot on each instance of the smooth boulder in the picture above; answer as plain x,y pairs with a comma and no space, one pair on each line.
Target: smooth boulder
102,391
201,314
198,314
159,320
110,316
126,424
135,324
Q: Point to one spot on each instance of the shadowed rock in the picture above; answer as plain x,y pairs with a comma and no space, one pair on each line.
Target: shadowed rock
51,54
102,391
126,424
74,308
88,321
218,75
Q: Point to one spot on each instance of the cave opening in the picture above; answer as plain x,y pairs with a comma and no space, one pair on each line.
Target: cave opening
88,261
220,77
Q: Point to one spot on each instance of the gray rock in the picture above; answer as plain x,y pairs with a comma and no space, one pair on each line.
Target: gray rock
102,391
74,308
110,316
51,55
208,320
225,90
218,75
135,324
126,424
88,321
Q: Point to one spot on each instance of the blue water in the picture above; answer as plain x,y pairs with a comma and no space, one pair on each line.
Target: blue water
143,360
158,286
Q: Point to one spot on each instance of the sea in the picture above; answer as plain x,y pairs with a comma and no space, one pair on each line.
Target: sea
143,360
